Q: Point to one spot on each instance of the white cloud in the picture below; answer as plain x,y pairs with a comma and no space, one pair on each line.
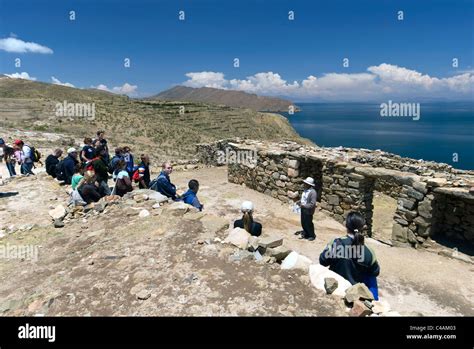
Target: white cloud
125,89
13,44
23,75
206,79
57,82
382,81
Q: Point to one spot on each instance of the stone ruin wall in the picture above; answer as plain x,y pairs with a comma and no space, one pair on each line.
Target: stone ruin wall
424,207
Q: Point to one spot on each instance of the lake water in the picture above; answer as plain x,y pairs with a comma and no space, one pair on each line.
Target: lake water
443,129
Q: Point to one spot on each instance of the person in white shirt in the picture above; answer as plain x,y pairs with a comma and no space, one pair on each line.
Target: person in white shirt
308,207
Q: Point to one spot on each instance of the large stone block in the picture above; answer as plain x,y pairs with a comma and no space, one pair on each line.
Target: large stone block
353,184
420,221
270,242
293,164
318,275
399,233
238,237
333,199
411,237
356,176
357,292
415,194
420,186
425,208
409,204
360,309
292,194
296,261
293,172
279,253
280,184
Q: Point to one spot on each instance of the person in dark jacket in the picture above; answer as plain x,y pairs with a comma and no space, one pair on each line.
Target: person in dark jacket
99,164
89,189
101,141
308,207
88,151
190,197
52,161
247,222
144,172
69,165
164,185
350,257
8,157
116,158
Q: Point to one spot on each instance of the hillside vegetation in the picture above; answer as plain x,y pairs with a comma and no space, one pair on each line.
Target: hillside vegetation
161,128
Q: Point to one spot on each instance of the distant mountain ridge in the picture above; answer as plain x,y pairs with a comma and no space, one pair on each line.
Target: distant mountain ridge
231,98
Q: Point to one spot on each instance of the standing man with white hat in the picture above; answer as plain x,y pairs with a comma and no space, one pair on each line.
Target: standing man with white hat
308,206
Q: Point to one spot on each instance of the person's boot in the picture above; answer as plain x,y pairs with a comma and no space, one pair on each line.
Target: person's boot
299,232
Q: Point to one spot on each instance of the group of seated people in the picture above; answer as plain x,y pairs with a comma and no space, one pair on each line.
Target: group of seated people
89,175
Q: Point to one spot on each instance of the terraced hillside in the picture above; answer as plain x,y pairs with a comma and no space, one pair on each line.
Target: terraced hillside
224,97
160,128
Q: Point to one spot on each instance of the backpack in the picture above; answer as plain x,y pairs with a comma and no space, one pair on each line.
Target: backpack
76,198
136,176
35,155
60,173
154,184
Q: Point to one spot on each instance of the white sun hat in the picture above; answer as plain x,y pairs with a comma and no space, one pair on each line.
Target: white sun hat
71,150
309,181
247,206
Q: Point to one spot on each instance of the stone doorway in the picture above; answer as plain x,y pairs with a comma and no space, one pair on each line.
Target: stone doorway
384,207
453,222
312,168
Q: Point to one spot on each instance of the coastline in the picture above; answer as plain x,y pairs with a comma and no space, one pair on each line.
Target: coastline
443,135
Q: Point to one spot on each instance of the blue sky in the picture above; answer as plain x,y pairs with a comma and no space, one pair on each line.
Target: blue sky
90,51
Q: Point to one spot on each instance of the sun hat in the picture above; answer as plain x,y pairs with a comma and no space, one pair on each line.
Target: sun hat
247,206
309,181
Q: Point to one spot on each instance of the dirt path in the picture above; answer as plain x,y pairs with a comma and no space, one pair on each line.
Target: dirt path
413,281
116,264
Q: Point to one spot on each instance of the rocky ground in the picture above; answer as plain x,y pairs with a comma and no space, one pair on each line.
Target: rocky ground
167,260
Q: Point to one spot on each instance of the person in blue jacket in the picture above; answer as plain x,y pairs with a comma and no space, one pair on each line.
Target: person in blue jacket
163,182
128,157
190,197
69,165
349,257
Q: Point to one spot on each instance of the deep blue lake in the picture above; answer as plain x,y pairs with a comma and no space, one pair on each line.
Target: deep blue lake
442,129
